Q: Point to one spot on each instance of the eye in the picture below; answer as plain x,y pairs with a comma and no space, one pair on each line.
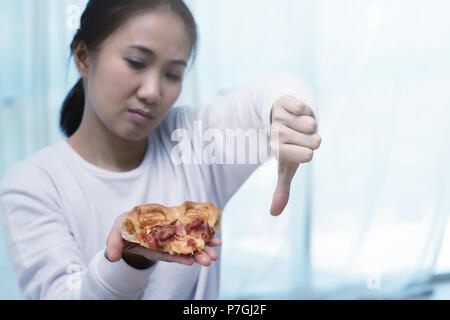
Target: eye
173,76
134,64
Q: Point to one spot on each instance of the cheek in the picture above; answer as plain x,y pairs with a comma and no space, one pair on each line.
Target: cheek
172,93
112,86
170,96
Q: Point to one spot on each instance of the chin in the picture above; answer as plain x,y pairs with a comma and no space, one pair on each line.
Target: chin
133,132
135,135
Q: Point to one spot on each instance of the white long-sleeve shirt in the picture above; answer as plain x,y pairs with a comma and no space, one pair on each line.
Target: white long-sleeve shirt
57,209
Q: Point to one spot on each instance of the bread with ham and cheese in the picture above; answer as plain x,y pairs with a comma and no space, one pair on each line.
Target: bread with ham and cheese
183,229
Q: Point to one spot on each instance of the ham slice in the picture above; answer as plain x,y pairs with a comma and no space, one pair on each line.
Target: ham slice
197,229
163,233
200,228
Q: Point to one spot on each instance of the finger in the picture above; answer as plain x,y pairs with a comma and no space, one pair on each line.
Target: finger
202,258
128,246
305,124
291,136
286,171
211,253
186,260
162,256
296,106
114,245
295,153
113,250
215,242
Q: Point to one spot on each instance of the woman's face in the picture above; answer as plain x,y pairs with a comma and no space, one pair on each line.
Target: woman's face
136,75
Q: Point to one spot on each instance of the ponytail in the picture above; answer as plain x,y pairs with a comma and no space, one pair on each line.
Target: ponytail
72,109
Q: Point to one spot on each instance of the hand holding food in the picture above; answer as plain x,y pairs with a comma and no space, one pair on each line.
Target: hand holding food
182,234
176,230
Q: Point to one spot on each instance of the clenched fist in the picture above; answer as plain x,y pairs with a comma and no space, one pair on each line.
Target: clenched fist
293,139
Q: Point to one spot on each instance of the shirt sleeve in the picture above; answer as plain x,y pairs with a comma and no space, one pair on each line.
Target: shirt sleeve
248,109
46,258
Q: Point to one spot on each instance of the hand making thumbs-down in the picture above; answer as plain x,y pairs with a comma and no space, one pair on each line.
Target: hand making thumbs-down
293,141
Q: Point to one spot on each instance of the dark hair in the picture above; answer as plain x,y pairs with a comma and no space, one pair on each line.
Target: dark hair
100,19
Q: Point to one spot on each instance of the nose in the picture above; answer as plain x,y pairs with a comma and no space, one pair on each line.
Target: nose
150,91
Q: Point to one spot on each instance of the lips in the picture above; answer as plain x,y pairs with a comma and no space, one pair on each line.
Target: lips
143,113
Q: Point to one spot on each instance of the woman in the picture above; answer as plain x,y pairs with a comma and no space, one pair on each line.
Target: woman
61,205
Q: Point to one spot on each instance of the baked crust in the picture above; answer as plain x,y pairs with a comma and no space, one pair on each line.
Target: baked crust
182,229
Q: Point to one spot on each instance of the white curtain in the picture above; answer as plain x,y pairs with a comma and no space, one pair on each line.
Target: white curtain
34,79
367,217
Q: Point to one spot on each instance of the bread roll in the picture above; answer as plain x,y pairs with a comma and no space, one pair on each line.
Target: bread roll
184,229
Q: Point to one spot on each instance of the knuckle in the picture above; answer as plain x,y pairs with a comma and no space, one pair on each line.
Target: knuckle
300,107
301,104
312,124
317,140
286,99
307,156
305,108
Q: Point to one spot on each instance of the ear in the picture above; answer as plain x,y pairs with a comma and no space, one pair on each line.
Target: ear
81,56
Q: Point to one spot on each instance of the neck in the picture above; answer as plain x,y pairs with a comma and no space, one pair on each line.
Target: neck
99,146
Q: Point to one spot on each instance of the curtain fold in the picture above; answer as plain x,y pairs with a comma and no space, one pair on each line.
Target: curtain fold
381,74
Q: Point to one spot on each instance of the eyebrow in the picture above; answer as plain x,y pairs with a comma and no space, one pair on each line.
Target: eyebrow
150,52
